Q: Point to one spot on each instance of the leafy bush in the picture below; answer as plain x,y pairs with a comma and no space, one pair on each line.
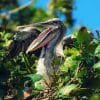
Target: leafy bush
77,78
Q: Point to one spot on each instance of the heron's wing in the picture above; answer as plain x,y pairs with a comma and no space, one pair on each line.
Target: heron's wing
25,33
22,39
14,49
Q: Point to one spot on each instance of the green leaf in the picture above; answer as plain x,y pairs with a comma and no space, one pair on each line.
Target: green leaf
64,68
91,47
71,52
34,77
95,96
66,79
39,85
66,90
97,50
84,37
97,66
70,63
82,73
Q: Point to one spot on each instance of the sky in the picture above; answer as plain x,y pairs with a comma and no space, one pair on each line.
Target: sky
86,12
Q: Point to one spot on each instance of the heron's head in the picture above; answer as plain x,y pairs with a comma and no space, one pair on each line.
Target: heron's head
47,35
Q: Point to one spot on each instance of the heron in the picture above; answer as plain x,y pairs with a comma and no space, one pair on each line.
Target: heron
50,40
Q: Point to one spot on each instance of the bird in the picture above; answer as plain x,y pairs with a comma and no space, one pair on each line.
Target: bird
22,38
51,42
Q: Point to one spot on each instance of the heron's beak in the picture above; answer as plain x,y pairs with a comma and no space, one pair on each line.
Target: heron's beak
44,24
47,23
43,39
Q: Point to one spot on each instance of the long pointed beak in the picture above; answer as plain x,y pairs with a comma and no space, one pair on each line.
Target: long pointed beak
43,39
44,24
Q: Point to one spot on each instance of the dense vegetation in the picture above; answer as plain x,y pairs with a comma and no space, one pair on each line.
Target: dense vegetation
79,75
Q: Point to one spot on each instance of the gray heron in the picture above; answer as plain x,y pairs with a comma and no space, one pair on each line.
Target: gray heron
50,40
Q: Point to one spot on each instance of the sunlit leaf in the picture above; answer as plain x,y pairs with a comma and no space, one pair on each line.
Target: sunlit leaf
64,68
95,96
97,50
71,52
97,66
34,77
39,85
69,64
66,90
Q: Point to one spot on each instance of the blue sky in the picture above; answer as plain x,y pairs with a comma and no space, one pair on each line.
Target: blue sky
86,12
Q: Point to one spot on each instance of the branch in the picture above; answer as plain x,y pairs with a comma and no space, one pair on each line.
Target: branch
6,14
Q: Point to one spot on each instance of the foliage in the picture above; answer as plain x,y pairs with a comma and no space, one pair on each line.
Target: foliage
78,76
79,70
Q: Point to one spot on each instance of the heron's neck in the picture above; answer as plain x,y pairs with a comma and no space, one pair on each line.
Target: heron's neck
43,65
40,65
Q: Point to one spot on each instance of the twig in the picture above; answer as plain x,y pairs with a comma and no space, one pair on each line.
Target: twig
16,9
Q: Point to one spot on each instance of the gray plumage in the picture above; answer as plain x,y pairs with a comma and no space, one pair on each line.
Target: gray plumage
56,33
22,39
